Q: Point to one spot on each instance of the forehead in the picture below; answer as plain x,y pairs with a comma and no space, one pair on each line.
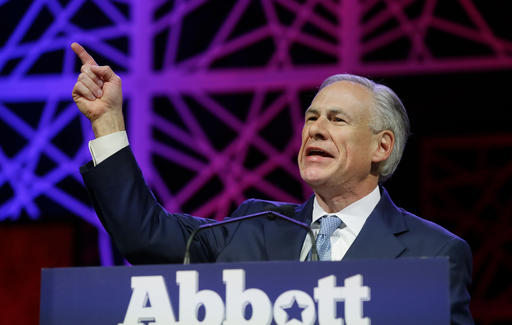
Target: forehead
346,96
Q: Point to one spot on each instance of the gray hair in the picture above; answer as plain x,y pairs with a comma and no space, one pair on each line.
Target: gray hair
389,114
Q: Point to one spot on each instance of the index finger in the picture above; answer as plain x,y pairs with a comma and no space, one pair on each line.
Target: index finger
85,57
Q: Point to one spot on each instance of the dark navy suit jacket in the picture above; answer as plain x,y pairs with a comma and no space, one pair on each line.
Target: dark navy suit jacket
144,232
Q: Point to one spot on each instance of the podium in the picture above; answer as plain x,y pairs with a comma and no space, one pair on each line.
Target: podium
400,291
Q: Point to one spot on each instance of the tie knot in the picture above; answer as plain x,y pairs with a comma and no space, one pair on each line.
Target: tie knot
328,224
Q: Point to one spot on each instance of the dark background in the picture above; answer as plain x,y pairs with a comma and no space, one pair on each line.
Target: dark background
456,169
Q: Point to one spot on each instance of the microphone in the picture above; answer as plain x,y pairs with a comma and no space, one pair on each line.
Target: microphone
269,214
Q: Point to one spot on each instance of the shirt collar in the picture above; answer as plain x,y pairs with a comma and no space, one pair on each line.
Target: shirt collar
354,216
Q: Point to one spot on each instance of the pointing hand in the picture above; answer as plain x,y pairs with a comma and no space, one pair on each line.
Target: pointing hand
98,94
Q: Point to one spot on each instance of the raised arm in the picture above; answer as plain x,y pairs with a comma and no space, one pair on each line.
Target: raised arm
98,94
142,230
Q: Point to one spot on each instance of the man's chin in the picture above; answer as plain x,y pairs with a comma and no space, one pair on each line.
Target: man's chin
314,180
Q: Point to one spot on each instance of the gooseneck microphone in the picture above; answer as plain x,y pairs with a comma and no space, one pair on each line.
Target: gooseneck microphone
268,214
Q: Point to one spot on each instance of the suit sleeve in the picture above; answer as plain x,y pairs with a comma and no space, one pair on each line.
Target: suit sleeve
460,256
142,230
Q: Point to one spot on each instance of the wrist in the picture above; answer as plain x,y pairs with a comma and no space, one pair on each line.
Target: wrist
108,123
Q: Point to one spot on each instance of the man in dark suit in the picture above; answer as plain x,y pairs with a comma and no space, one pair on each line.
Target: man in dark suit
353,138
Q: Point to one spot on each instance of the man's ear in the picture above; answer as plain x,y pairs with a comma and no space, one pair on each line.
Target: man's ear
385,142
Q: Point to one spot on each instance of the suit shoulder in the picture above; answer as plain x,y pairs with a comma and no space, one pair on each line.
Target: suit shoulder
430,233
257,205
416,223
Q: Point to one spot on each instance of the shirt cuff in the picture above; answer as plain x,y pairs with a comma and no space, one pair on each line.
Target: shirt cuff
103,147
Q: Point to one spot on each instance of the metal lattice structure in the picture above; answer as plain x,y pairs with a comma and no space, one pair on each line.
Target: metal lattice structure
207,86
468,186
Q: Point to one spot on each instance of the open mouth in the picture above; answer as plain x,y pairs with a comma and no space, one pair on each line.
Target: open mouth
318,152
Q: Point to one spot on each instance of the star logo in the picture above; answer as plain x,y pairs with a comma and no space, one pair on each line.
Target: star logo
294,307
294,310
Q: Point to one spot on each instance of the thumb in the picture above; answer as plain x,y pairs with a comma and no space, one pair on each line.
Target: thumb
105,73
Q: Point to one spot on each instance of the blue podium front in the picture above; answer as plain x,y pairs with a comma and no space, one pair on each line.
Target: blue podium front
403,291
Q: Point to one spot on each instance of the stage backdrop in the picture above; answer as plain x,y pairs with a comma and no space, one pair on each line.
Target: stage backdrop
215,93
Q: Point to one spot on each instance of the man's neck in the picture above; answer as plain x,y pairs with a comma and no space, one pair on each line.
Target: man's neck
334,201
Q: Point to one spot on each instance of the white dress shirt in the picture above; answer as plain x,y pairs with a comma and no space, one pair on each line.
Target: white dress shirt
353,216
103,147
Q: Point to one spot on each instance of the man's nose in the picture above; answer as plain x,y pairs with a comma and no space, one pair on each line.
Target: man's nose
318,129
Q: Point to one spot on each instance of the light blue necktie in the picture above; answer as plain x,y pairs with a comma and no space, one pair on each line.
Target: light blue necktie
328,224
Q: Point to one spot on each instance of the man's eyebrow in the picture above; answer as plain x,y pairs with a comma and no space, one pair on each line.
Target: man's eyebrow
337,111
311,110
330,111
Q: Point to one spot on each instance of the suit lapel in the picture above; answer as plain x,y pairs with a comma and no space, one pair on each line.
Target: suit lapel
284,240
377,238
